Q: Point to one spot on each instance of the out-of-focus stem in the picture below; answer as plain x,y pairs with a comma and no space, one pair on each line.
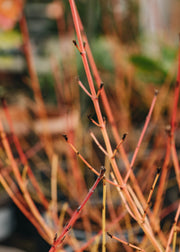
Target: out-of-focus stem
23,209
41,110
172,229
54,173
22,184
23,157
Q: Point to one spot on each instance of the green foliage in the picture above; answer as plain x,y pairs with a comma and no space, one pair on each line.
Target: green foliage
168,55
101,52
47,88
148,70
10,39
154,69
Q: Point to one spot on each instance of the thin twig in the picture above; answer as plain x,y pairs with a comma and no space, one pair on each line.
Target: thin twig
83,88
98,144
124,242
151,192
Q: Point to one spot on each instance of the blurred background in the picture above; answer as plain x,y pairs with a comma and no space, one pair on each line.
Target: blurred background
133,41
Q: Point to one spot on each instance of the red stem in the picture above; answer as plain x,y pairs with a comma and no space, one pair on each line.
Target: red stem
141,136
75,216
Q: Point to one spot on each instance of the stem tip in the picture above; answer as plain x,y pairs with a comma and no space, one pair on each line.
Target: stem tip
102,171
109,234
74,42
124,136
158,170
101,86
65,137
156,92
89,117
